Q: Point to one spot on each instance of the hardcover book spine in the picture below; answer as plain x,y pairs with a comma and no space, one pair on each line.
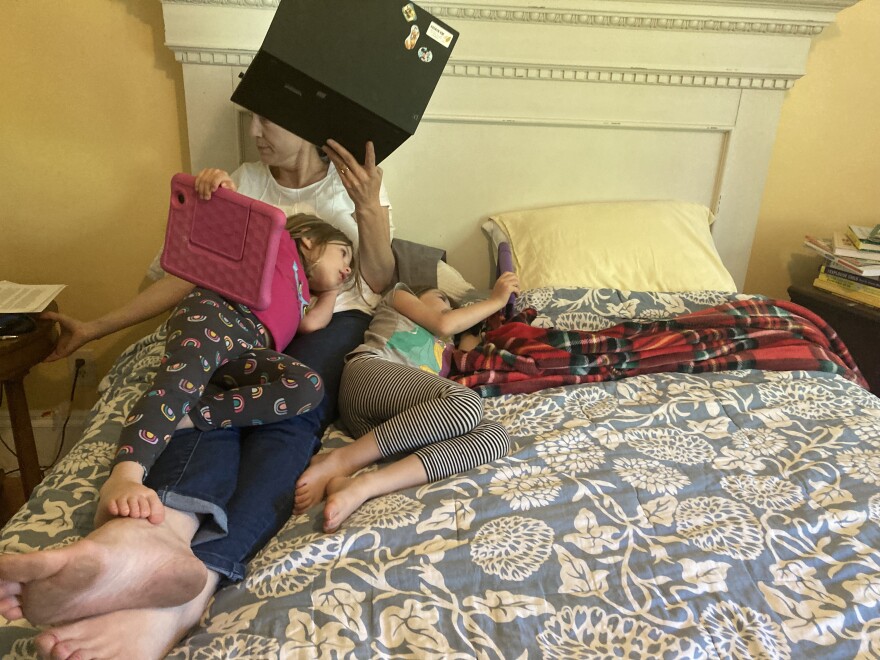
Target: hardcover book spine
839,285
844,292
873,283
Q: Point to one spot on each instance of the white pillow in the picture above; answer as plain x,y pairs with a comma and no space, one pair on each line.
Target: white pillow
451,282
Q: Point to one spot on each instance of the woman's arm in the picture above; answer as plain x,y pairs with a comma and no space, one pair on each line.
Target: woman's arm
450,322
152,301
363,182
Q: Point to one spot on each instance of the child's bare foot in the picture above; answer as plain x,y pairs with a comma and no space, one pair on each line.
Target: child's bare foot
311,485
126,563
124,496
344,496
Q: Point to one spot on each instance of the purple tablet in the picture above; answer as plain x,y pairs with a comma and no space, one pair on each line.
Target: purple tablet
227,244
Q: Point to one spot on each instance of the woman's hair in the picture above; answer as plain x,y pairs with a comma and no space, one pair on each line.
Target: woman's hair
321,234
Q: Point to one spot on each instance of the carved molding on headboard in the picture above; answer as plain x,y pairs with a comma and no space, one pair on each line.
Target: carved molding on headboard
501,70
692,16
237,28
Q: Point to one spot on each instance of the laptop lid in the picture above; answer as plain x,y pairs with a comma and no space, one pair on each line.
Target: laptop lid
351,70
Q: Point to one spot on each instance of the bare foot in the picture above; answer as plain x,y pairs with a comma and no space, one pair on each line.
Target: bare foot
10,603
136,634
344,496
124,495
127,563
311,485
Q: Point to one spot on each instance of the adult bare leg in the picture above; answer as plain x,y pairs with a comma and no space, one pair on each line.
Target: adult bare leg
126,563
149,634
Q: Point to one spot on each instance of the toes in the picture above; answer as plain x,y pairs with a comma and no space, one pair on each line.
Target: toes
10,608
45,643
9,589
157,513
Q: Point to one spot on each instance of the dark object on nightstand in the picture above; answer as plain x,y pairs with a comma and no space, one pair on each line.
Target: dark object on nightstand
17,356
13,325
858,326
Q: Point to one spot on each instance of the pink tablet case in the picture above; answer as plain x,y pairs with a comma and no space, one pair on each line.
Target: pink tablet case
227,244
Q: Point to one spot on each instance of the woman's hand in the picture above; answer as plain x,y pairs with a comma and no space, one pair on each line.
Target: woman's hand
74,334
211,178
362,182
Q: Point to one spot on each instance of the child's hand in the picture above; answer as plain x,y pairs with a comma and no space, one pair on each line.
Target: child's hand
209,179
73,334
124,496
505,285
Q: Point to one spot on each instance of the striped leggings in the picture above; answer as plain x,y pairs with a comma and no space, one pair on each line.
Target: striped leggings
416,411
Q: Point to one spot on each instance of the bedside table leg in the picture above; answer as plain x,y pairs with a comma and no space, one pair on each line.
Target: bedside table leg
23,435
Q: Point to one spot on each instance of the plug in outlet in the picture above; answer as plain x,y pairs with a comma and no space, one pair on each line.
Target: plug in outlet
88,373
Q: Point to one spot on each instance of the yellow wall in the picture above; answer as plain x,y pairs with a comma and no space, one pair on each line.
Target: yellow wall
92,131
93,127
825,170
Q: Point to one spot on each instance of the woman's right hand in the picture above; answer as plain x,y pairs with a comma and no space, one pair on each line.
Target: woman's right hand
211,178
74,334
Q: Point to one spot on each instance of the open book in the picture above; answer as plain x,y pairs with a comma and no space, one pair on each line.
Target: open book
26,298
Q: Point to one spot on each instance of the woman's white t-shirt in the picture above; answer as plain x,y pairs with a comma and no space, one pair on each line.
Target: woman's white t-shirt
326,199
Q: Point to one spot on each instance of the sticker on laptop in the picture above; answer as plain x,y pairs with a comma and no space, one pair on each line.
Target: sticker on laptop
440,34
409,12
413,37
425,55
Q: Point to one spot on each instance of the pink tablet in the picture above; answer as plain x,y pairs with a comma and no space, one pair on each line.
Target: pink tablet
227,244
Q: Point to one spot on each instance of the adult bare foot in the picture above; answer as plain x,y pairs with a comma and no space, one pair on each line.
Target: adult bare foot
344,496
10,603
127,563
146,634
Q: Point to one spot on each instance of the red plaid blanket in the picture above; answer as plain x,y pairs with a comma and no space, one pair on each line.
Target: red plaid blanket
747,334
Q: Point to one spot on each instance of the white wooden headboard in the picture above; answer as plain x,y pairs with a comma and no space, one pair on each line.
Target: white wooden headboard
572,101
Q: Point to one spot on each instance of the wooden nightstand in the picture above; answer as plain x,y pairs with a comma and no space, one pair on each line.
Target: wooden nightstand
17,356
858,325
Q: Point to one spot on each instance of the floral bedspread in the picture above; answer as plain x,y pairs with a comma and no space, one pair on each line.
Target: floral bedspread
732,514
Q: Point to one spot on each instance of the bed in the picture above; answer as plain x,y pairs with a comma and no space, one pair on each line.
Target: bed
680,514
729,513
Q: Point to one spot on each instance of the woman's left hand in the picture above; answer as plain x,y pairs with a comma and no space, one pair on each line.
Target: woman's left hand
362,182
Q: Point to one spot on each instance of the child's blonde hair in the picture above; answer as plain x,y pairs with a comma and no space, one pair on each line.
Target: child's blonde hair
321,233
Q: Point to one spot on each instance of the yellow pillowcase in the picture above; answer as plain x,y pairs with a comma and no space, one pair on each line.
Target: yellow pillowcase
636,246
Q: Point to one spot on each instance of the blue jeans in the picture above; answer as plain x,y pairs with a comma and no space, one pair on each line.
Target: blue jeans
241,480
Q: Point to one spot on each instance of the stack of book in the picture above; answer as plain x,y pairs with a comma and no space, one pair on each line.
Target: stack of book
852,264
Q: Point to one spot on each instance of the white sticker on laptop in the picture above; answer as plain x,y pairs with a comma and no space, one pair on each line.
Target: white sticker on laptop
439,34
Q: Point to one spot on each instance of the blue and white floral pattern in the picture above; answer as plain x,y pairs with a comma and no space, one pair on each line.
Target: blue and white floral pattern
723,515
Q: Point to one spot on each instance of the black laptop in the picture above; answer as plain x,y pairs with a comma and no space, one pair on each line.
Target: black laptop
350,70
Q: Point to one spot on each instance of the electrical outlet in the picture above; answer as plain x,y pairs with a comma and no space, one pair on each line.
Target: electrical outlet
88,373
